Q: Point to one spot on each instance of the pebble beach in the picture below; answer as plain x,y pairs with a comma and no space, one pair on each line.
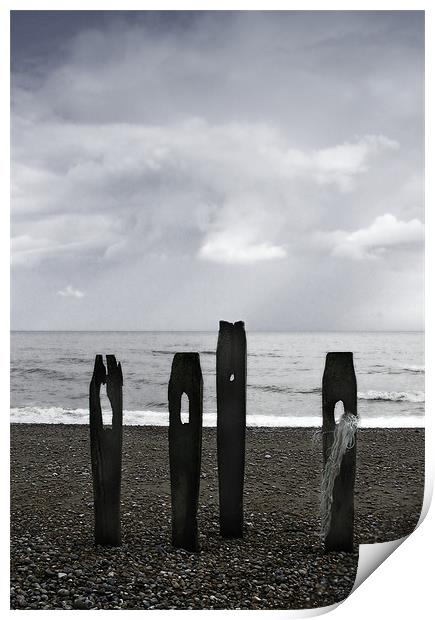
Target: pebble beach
279,564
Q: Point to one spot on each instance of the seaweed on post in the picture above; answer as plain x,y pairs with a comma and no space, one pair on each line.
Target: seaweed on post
339,452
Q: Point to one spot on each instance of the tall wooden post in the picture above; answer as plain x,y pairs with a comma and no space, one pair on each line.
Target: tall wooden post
185,449
231,425
339,384
106,452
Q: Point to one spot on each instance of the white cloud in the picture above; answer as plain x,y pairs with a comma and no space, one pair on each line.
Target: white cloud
70,291
229,248
384,234
340,164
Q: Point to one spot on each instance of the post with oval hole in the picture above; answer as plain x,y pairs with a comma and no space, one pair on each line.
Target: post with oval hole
231,425
106,451
185,449
339,384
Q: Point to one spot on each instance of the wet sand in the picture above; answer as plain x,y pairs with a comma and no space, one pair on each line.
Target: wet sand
278,565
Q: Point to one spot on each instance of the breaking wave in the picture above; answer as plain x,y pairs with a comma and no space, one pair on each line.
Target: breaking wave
393,370
45,373
283,389
60,415
160,352
413,368
410,397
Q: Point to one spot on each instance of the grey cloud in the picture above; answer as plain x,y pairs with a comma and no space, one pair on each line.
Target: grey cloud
271,144
70,291
231,184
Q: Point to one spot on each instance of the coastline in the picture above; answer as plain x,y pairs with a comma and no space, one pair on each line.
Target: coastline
278,565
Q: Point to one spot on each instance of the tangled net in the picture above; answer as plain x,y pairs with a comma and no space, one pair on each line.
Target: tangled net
344,439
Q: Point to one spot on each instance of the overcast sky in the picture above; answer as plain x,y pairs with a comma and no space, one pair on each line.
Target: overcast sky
173,169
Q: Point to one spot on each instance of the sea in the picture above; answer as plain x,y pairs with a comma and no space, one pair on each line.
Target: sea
51,371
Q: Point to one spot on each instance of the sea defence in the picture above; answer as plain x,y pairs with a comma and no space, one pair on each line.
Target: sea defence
339,452
106,451
185,444
185,449
231,425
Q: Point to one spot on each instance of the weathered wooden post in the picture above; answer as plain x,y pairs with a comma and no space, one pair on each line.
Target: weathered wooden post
106,451
339,452
185,449
231,425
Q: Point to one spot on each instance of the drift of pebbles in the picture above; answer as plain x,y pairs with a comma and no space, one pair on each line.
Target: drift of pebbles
279,564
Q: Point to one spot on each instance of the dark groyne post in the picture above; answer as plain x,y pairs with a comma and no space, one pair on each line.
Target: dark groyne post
231,425
339,384
106,450
185,449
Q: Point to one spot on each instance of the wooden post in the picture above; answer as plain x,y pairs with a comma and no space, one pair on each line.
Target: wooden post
106,452
231,425
185,449
339,384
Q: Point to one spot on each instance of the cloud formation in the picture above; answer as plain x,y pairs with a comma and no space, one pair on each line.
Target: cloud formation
70,291
385,234
230,249
231,185
192,156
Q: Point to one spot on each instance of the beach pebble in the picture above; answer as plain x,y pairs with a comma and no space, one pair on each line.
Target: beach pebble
82,603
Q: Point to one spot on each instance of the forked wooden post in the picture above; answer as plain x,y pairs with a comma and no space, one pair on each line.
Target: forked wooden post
339,384
106,452
185,449
231,425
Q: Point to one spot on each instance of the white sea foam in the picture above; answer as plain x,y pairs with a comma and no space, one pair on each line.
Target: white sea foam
59,415
413,368
411,397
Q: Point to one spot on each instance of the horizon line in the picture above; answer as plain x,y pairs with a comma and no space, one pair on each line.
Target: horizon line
210,331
